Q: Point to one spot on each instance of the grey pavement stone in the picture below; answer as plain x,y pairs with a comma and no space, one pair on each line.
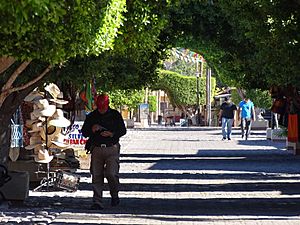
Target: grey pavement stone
183,176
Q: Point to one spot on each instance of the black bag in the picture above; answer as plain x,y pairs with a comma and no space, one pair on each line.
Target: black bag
89,146
4,178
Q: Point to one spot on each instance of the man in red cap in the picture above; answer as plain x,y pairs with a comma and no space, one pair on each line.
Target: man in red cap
104,127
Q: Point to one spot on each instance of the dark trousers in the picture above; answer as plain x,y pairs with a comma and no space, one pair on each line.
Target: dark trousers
246,127
105,163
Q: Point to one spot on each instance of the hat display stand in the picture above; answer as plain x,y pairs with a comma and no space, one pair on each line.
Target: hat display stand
44,157
54,122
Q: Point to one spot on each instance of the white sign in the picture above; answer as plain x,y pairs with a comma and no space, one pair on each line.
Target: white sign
75,138
144,111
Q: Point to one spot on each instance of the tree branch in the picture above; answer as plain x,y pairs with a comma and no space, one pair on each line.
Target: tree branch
32,81
6,92
7,86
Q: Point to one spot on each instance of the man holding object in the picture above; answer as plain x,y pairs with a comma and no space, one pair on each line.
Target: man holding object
104,126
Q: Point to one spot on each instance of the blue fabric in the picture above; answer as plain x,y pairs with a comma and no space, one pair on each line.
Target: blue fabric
16,136
246,109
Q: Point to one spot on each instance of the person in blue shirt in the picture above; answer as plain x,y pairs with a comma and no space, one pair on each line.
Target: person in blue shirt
246,113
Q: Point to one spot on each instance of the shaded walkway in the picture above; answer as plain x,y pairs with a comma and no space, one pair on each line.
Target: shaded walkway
185,177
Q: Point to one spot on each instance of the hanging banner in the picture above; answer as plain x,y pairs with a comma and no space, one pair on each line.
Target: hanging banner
187,55
75,138
293,128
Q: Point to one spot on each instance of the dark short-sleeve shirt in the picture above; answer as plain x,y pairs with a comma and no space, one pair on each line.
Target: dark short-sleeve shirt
228,110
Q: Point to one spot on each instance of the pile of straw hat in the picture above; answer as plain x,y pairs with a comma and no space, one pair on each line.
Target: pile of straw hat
46,122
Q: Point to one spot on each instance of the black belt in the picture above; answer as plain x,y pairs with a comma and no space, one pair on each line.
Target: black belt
105,145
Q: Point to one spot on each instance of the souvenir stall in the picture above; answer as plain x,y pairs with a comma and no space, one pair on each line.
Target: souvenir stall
46,151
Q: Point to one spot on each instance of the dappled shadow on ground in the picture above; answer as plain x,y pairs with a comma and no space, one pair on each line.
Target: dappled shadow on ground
235,172
180,207
235,162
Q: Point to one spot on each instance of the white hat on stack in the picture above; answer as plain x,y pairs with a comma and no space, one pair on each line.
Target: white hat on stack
59,100
43,156
59,120
42,108
59,140
55,92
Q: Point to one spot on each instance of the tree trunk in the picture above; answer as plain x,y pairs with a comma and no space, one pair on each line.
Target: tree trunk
7,110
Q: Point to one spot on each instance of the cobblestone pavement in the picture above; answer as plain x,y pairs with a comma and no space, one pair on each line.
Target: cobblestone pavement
182,176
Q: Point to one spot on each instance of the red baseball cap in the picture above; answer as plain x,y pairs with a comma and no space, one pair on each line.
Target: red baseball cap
102,102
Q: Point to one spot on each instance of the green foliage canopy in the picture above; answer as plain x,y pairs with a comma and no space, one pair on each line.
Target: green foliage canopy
53,31
249,44
137,51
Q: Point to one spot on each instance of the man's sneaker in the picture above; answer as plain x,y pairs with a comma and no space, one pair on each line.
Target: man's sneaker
229,139
224,138
96,207
115,201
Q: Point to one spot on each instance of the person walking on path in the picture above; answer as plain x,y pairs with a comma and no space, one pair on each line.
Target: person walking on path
104,126
247,113
227,117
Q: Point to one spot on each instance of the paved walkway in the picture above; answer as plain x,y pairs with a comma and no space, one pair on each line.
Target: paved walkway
182,176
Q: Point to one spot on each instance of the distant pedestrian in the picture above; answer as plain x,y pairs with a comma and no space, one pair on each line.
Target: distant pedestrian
149,119
227,117
104,126
247,114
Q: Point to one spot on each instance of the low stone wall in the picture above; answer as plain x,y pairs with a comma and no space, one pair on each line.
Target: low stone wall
260,125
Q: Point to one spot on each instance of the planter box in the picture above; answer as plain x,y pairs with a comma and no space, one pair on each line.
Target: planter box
276,135
17,189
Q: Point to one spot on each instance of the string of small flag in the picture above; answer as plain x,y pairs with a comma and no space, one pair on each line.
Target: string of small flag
187,55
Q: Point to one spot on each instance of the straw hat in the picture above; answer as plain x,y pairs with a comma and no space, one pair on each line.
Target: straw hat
59,140
33,119
42,108
52,131
33,142
43,156
59,120
34,96
53,90
36,127
37,148
59,100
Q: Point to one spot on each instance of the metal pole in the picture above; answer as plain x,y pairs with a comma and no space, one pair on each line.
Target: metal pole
208,96
198,92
